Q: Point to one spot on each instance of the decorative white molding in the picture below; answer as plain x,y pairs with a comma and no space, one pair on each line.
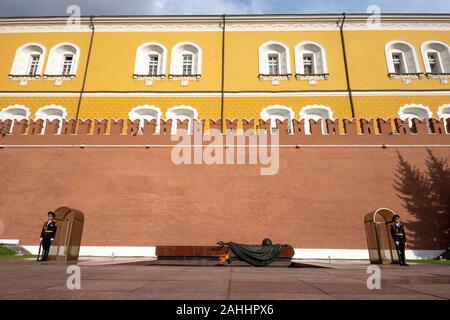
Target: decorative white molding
146,112
315,112
303,253
358,254
278,112
412,107
50,113
9,241
107,251
312,78
181,113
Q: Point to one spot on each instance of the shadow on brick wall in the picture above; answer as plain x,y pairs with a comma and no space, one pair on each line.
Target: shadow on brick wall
426,196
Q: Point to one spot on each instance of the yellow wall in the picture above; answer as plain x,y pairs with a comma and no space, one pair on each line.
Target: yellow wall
367,60
113,58
10,42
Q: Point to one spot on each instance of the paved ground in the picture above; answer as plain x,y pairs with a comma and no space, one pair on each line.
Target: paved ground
25,279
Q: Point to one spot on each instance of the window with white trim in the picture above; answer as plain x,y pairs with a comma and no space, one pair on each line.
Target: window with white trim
50,113
67,64
444,114
150,64
14,112
308,64
153,64
415,111
278,112
274,59
401,58
182,113
316,113
27,64
187,64
34,64
62,62
399,63
145,112
274,67
436,58
186,60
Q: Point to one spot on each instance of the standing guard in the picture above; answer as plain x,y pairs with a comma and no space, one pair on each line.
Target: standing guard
399,237
48,234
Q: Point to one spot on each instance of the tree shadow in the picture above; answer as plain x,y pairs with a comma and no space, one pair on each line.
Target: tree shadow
426,196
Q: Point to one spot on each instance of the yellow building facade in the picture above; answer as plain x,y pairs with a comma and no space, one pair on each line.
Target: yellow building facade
230,67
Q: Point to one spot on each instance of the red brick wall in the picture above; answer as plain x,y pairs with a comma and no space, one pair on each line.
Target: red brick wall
138,197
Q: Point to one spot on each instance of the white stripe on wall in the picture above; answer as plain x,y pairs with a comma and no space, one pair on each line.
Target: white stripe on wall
336,254
229,94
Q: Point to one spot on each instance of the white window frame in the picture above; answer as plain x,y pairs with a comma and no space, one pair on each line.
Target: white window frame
284,63
176,61
179,113
138,113
407,113
300,50
141,65
425,48
21,60
278,112
41,113
444,114
390,48
306,116
56,56
8,113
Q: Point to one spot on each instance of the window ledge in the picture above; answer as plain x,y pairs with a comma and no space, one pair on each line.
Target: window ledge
312,78
442,77
275,77
406,77
184,77
22,77
149,77
58,77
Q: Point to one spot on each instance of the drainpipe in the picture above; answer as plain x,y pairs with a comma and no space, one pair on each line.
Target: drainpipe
92,27
222,95
344,53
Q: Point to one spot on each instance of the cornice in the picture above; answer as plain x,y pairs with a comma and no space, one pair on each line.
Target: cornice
233,23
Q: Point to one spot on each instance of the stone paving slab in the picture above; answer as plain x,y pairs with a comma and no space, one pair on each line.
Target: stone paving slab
26,279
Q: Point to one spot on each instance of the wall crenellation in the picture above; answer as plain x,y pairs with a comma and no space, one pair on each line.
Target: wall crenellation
117,127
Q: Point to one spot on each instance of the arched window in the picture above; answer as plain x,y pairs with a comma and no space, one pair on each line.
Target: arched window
14,112
277,112
274,59
402,61
414,111
316,112
436,58
28,62
145,112
181,113
50,113
186,60
310,59
63,60
444,114
151,58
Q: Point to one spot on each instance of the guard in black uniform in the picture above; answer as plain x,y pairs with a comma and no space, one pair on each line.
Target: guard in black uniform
48,234
399,237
